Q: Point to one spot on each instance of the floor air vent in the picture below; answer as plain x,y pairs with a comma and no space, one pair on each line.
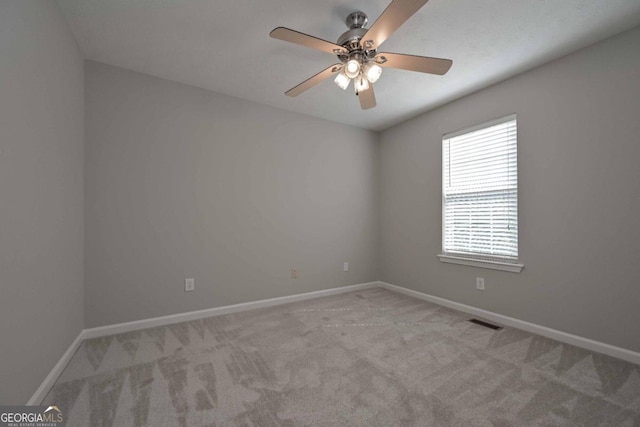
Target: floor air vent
486,324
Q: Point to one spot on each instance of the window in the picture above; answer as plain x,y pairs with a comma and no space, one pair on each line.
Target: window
480,196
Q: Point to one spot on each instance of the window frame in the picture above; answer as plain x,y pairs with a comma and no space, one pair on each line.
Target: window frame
478,260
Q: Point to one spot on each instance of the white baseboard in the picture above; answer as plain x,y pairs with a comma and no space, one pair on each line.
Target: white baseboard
200,314
48,382
586,343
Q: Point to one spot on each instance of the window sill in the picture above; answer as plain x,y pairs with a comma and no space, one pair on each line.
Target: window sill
512,267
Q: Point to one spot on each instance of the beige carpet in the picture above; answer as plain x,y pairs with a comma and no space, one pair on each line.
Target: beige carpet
368,358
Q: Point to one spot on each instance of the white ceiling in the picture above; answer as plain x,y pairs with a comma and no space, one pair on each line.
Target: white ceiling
224,46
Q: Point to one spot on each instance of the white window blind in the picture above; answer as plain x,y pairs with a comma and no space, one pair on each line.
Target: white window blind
480,191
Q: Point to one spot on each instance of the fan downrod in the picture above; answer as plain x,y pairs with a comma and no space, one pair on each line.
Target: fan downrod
356,20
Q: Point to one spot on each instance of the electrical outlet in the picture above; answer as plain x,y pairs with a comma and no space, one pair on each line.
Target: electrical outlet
345,267
189,285
480,283
294,273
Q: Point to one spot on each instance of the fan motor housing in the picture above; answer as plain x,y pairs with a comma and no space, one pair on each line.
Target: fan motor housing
351,39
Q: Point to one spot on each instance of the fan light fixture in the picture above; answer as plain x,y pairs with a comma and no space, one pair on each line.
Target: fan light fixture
352,69
342,81
370,72
373,71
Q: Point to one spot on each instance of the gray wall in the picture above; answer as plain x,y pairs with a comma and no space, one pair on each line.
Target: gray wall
181,182
41,194
579,196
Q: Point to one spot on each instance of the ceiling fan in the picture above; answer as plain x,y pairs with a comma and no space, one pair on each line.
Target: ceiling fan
357,50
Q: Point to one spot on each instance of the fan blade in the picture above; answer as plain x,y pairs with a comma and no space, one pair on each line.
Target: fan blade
391,19
367,98
422,64
297,37
312,81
